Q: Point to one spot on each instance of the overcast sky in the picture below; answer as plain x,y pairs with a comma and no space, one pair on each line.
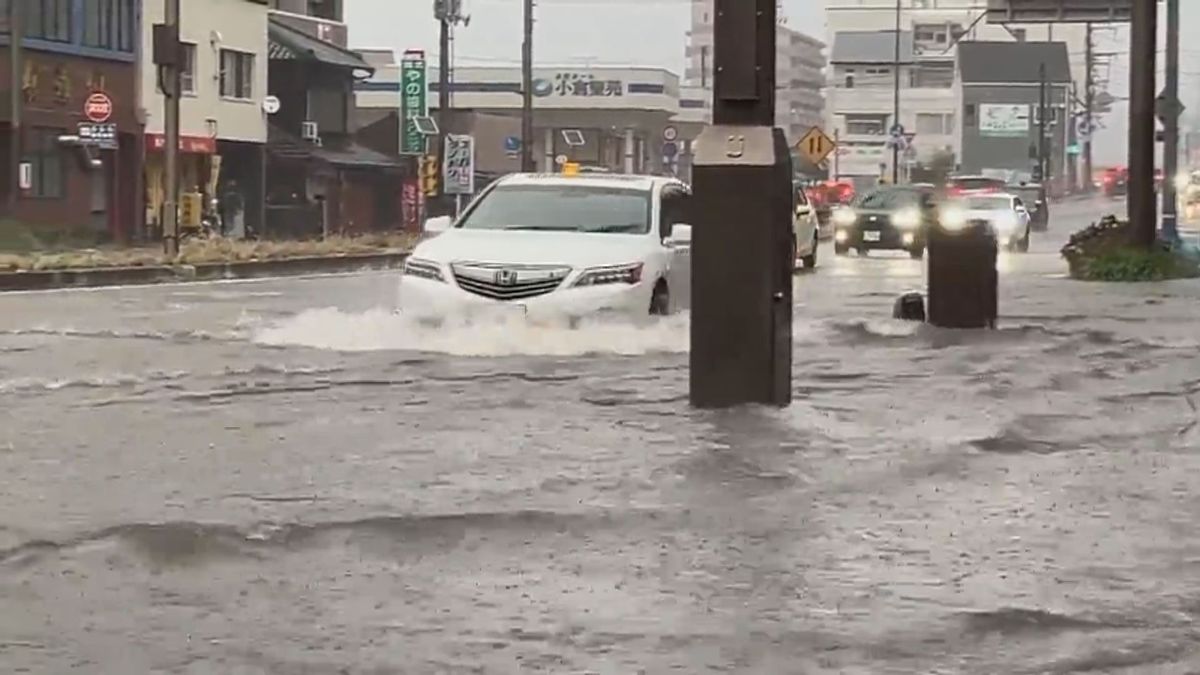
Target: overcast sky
638,32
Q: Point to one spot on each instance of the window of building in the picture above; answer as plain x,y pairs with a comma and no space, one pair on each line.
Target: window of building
237,74
46,158
48,19
109,24
187,74
935,124
866,124
932,75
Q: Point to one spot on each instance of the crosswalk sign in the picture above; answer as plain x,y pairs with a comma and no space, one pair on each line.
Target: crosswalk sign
816,145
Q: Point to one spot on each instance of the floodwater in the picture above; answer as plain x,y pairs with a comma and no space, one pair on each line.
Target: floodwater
286,477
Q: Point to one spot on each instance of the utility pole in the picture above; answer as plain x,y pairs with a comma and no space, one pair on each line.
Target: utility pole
442,12
16,102
896,102
1089,103
168,56
1043,175
527,164
1143,52
1170,117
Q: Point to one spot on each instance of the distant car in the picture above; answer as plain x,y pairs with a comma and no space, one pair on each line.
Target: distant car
1115,182
886,218
556,246
806,230
1033,195
964,185
1004,213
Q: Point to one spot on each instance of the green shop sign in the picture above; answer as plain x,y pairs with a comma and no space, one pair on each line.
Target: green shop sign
413,102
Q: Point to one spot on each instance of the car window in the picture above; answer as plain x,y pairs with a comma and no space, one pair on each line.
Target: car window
988,203
674,209
561,208
888,199
976,183
1017,203
801,197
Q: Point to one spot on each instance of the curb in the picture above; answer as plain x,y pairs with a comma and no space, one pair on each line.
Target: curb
144,276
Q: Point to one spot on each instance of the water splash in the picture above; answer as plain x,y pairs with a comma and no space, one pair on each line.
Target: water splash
382,329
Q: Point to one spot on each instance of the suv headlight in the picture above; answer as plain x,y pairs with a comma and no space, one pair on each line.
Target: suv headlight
907,219
844,216
613,274
423,269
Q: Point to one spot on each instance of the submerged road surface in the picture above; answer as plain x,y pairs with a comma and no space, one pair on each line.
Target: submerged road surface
283,477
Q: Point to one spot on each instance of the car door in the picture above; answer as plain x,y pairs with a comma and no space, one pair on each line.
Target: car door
675,209
804,223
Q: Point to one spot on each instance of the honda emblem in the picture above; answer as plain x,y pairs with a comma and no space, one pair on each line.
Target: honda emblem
506,278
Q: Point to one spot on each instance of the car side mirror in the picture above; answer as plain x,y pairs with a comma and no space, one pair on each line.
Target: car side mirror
681,235
438,224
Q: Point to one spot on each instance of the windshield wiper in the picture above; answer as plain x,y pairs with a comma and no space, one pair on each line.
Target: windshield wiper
540,228
628,227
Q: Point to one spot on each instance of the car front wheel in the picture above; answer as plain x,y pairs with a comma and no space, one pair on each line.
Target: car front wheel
660,300
810,260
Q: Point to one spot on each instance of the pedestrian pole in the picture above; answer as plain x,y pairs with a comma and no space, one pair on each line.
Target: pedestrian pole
896,100
169,74
16,103
1143,210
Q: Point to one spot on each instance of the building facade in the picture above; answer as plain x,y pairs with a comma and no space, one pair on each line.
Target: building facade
223,124
799,72
862,75
80,133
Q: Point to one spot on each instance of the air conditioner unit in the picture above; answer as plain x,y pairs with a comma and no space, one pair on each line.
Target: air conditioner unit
309,131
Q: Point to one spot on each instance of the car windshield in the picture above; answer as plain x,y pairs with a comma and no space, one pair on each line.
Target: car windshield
982,203
888,199
561,208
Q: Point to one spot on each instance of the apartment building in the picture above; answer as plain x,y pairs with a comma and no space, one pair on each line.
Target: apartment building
860,94
81,135
799,76
223,124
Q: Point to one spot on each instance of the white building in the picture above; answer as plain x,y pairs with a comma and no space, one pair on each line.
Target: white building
862,70
223,127
799,64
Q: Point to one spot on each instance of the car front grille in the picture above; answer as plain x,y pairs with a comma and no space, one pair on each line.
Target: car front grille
508,282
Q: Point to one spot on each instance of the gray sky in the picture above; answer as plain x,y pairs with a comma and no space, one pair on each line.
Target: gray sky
646,32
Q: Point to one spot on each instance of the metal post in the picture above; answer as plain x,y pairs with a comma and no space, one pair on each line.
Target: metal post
442,14
16,102
1089,103
1142,211
896,101
837,156
527,164
171,92
1171,125
1043,174
742,252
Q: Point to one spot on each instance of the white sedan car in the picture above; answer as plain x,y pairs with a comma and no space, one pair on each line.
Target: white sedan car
556,246
1004,213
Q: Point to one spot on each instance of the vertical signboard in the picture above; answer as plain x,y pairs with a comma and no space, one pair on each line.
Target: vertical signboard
413,102
410,204
458,165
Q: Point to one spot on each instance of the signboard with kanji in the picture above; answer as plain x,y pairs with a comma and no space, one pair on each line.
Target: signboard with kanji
1058,11
413,102
458,165
816,145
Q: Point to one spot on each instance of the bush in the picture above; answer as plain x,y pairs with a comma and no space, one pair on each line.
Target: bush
1104,252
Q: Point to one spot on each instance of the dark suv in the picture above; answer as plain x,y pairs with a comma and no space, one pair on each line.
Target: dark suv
887,218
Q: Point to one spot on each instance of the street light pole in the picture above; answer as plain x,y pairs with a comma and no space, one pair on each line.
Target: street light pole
1170,117
171,92
896,101
16,103
1143,48
527,91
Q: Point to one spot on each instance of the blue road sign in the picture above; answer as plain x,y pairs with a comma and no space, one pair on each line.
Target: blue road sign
669,149
512,145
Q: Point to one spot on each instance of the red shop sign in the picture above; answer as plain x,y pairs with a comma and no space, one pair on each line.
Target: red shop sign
196,145
410,204
98,108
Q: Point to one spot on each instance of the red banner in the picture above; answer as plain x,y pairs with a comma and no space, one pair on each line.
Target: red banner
197,145
410,204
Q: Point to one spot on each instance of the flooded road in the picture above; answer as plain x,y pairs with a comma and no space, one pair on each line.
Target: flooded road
284,477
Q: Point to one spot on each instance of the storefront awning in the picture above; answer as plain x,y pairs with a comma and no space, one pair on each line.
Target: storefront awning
287,43
343,154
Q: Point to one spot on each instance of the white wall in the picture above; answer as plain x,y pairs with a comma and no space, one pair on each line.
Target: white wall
242,26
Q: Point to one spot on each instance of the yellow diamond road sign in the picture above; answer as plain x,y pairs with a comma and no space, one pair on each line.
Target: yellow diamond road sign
816,145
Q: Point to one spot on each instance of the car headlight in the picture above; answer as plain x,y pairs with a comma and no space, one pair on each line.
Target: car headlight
844,217
953,219
613,274
423,269
907,219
